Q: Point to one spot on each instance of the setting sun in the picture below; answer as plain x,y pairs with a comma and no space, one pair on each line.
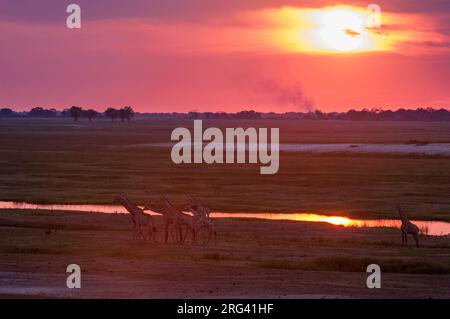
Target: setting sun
342,29
328,30
339,30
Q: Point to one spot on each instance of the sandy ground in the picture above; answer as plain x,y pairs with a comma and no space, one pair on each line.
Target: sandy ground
266,259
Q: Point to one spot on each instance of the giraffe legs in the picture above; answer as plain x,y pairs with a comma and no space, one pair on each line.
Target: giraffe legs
194,235
166,233
188,230
416,238
154,233
215,237
205,232
151,233
212,234
134,230
192,231
405,238
138,231
180,235
175,233
141,233
198,233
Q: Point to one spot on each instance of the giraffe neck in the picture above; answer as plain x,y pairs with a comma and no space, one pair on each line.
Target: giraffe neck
172,210
167,203
129,206
403,217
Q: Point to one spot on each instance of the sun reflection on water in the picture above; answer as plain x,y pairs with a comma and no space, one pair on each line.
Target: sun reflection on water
434,228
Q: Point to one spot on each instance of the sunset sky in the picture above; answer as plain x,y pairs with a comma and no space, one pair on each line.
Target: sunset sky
225,55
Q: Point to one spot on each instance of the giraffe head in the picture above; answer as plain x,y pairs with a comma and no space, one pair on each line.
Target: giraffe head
402,215
195,203
193,208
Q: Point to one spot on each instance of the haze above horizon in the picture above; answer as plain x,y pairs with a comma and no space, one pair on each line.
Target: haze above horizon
225,55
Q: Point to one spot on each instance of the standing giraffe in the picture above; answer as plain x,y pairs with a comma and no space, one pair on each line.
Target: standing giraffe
141,221
173,217
408,228
181,220
201,219
169,220
201,209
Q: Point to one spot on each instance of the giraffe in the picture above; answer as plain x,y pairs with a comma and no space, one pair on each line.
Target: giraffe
181,220
201,209
408,228
141,221
168,220
172,217
201,219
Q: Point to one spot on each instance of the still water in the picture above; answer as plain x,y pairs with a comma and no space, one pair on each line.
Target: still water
432,228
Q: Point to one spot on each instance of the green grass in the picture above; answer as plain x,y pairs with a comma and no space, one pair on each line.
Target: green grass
56,161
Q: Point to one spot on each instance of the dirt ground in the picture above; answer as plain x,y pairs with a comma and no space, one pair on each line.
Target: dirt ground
252,258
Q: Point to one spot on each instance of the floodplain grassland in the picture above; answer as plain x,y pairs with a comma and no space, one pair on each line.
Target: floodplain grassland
62,161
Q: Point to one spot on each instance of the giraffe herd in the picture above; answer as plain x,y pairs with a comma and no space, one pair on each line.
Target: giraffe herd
177,224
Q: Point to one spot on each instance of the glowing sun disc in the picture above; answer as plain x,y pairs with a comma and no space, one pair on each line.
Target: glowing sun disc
342,29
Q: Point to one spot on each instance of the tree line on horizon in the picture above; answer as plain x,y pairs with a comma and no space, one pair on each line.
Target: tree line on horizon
127,113
75,112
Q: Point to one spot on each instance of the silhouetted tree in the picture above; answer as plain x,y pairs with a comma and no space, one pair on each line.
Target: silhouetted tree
320,115
193,115
41,112
75,112
36,112
248,115
112,113
90,114
126,113
6,112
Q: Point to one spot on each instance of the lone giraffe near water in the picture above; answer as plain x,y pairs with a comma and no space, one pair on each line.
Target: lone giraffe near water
142,223
408,228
